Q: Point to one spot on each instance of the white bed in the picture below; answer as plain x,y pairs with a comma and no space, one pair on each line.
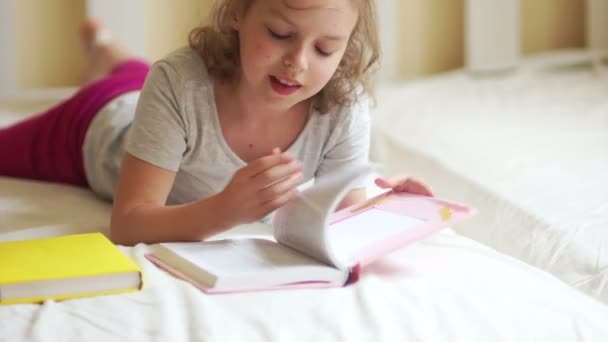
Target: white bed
445,288
528,148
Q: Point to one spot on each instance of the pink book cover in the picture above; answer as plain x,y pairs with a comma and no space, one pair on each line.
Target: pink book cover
435,214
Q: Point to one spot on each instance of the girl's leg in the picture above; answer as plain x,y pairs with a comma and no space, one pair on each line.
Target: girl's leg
102,52
48,146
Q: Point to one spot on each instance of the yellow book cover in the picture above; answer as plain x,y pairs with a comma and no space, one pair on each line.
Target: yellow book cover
64,267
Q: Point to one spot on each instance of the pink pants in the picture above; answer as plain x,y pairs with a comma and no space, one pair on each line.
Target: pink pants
48,146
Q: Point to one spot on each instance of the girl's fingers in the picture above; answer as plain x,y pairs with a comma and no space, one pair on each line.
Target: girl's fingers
391,182
278,201
279,188
261,165
404,184
414,187
275,174
383,183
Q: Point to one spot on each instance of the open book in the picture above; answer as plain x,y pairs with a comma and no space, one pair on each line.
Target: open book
313,245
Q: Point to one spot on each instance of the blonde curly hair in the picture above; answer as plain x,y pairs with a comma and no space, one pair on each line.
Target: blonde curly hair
218,45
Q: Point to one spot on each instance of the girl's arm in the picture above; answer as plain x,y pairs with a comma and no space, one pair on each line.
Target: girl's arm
141,215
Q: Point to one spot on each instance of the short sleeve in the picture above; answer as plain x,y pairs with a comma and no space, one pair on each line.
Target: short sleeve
158,132
350,141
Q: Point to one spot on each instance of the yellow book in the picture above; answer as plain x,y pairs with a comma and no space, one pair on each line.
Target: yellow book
64,267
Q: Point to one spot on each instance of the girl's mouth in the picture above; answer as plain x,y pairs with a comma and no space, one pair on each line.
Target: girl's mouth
283,86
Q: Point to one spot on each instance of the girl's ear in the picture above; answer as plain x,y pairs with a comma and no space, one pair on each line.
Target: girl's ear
235,20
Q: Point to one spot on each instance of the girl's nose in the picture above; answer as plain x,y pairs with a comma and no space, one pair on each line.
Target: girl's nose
296,61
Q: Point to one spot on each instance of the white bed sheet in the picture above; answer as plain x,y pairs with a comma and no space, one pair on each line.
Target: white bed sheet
528,148
445,288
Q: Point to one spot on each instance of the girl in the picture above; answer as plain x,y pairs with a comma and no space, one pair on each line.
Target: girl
271,94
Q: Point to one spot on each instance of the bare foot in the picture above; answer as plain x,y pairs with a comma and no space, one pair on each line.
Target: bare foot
102,51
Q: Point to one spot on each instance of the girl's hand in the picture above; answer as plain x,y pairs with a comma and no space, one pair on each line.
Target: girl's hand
405,184
259,188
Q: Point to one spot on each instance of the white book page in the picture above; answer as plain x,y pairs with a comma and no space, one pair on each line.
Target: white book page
302,223
366,229
247,264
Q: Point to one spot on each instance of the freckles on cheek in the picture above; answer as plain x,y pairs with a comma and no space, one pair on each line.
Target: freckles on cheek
263,50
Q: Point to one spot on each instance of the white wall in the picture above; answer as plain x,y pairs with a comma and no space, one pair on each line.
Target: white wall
429,34
388,18
126,18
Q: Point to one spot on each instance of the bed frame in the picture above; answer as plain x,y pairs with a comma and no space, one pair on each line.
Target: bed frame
8,64
597,32
388,16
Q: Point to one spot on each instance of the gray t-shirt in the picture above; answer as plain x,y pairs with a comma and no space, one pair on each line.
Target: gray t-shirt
176,127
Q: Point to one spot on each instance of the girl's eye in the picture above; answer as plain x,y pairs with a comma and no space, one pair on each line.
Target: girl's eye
323,52
277,36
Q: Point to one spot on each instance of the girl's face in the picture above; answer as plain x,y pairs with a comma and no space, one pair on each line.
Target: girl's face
291,48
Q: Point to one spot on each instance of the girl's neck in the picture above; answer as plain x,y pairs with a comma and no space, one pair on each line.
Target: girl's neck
242,104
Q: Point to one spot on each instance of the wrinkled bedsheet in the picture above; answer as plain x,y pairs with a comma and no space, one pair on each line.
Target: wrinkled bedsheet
528,148
445,288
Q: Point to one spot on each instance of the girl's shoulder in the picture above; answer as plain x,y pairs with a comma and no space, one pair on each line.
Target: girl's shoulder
184,63
357,111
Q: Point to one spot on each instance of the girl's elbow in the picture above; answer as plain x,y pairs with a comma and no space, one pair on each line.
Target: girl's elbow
119,232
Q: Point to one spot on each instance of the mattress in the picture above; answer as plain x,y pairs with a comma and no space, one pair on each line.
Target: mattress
445,288
528,148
